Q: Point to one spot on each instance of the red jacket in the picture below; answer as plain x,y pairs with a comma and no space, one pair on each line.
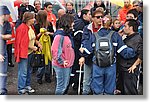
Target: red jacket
122,13
21,42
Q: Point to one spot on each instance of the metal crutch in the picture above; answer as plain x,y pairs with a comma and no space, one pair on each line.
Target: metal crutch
79,88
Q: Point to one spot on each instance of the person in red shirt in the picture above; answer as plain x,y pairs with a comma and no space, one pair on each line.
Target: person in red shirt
123,11
50,16
24,46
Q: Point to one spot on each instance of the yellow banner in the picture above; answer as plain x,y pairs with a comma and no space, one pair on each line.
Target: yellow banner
119,2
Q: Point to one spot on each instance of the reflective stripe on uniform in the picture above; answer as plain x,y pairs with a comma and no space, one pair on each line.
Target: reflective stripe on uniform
115,44
122,48
79,31
1,74
88,52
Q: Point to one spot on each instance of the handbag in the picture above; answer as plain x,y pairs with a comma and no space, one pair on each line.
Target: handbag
37,60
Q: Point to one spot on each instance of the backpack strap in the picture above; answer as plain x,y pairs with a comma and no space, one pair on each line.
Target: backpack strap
60,46
110,34
97,35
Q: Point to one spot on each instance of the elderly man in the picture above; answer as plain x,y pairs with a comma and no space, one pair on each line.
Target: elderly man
123,11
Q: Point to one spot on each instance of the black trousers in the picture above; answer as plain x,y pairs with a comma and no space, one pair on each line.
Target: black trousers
127,82
9,52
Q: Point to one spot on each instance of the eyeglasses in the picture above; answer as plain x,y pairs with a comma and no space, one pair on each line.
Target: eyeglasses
98,17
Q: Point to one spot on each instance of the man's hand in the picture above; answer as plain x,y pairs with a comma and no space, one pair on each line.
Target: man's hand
132,68
81,61
121,32
81,50
1,58
35,48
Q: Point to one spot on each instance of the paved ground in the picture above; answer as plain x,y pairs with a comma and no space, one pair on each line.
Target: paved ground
43,89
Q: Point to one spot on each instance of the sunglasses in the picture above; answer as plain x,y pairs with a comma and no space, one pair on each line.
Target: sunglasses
98,17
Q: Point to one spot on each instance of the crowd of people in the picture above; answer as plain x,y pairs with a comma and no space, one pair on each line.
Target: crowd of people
89,50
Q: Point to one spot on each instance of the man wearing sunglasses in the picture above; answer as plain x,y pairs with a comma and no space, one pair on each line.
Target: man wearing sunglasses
87,47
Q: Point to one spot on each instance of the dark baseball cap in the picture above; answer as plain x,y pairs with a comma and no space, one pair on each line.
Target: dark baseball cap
4,10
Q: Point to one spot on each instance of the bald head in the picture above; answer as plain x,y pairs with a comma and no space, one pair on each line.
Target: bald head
61,12
126,3
25,2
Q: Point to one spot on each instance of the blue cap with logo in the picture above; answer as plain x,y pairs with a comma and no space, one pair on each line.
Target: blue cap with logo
4,10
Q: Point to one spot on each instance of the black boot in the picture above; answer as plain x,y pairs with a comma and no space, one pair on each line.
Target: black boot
47,78
11,64
39,81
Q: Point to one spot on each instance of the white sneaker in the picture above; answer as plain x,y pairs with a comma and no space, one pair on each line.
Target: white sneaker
29,89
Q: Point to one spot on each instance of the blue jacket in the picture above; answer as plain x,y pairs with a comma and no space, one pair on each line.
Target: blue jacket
79,25
88,43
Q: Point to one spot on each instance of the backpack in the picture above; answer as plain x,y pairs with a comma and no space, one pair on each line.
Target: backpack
104,50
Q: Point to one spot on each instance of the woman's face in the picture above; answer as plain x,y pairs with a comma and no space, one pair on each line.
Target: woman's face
117,24
31,21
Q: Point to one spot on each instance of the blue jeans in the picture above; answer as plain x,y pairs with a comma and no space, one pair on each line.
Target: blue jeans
87,79
24,74
3,76
103,80
63,77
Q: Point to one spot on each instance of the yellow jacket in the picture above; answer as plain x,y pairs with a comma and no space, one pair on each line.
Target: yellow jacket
46,44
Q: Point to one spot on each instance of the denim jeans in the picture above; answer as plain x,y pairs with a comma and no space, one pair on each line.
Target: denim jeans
24,74
63,77
87,79
44,70
103,80
3,76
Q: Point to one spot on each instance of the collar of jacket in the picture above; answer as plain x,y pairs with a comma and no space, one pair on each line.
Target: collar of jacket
91,28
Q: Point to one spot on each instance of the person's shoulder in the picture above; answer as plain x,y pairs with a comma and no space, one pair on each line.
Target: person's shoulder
138,36
57,36
31,6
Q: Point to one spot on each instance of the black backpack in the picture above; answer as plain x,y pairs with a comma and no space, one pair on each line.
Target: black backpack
104,50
